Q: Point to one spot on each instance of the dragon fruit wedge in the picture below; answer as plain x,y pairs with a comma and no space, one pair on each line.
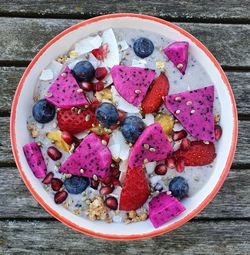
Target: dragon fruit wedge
177,53
35,159
132,83
194,110
65,92
90,158
152,145
163,208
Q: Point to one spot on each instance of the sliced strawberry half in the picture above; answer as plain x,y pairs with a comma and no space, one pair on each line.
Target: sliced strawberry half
101,52
198,154
135,190
75,122
154,97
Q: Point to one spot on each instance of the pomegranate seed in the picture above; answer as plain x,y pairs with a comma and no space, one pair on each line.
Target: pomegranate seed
170,162
111,202
100,73
48,178
217,132
87,86
101,52
94,184
115,172
60,196
105,190
67,137
161,169
105,137
185,144
116,182
179,135
98,86
56,184
122,115
94,104
54,153
106,180
180,165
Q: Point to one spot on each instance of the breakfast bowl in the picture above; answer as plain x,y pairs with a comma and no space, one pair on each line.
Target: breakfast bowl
214,175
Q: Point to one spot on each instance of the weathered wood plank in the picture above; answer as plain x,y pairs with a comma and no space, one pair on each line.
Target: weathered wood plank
22,38
171,9
10,77
223,237
241,157
231,202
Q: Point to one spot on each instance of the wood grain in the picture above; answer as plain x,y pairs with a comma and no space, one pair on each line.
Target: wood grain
10,77
22,38
195,237
242,155
231,202
171,9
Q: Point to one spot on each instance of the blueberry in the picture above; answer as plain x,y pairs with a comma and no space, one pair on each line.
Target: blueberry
76,184
84,71
143,47
132,128
107,115
179,187
43,111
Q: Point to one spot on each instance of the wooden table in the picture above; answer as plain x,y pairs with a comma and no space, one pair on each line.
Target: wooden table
223,227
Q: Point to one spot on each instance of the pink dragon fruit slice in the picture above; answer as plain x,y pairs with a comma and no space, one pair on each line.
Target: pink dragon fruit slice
194,110
65,92
152,145
163,208
132,83
90,158
35,159
177,52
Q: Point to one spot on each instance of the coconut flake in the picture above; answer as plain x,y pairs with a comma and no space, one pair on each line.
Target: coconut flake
124,151
177,127
139,62
46,75
149,119
123,166
154,179
123,45
88,44
56,68
82,134
107,80
112,58
150,167
115,150
117,219
122,104
94,61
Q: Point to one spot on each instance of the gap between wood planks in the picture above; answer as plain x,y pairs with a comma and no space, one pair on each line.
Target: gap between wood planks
243,21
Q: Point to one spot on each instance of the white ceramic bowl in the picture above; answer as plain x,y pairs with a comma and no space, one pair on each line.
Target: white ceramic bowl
60,44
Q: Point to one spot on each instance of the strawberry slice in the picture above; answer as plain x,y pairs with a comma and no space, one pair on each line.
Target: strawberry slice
135,190
154,97
73,122
198,154
101,52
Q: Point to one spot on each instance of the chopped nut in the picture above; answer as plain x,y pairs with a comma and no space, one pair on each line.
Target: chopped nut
217,118
192,111
95,177
160,65
146,146
137,91
73,54
81,171
79,90
177,111
104,142
189,103
77,211
143,216
152,149
132,214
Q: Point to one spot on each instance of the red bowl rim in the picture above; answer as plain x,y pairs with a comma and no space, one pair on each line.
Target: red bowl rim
154,232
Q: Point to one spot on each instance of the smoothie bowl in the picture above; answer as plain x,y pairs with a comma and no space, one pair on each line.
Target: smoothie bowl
124,126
